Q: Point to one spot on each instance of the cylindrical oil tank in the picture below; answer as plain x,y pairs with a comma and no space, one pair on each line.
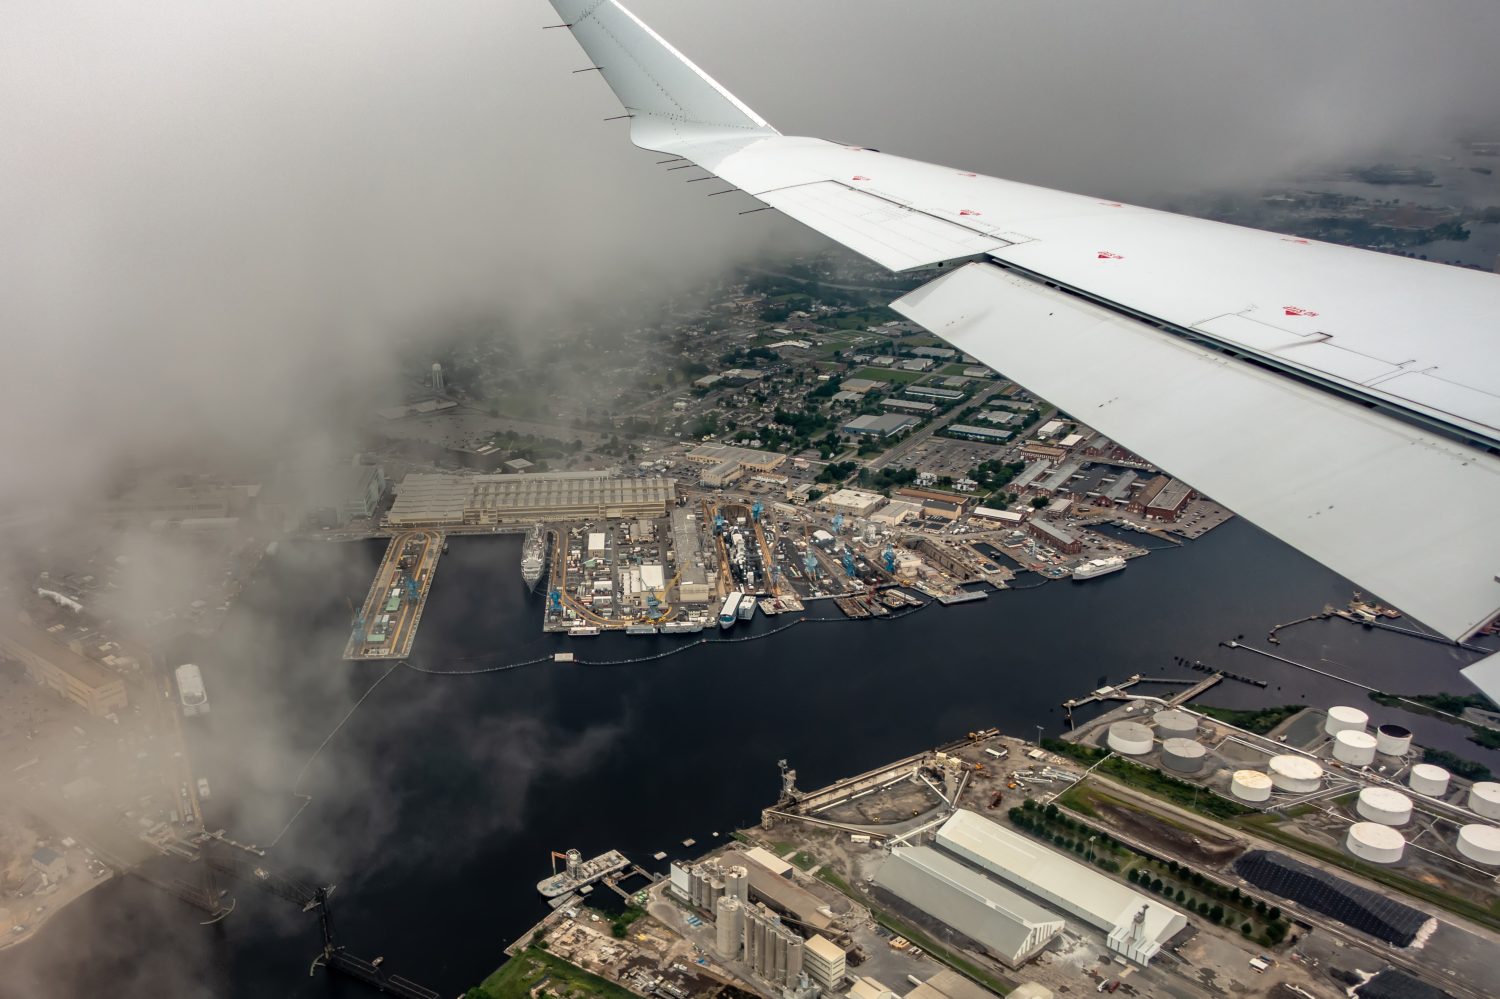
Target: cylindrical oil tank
1175,724
1383,805
1429,780
1183,755
1392,740
1480,843
1296,774
1484,798
1343,718
1376,843
794,956
1354,747
1250,785
1130,738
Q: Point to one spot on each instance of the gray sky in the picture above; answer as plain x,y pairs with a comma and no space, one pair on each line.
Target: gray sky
220,219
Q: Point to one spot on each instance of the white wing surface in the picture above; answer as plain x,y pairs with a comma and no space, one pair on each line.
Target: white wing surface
1345,401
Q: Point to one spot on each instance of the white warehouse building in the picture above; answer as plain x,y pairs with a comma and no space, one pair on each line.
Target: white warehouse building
1135,926
1014,928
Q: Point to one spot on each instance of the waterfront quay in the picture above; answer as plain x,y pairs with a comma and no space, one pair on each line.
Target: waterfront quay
386,624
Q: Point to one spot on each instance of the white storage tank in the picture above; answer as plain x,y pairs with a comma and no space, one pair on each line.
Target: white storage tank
1175,724
1384,805
1429,779
1296,774
1183,755
1354,747
1376,843
1392,740
1345,719
1250,785
1484,798
1480,843
1130,738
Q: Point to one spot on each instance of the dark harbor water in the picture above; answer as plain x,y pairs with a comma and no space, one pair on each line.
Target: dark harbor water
435,806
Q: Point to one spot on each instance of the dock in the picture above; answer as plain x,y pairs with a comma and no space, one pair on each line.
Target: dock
386,625
961,597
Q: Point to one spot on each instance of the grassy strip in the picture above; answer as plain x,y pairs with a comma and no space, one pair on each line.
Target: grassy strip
887,375
1267,827
1260,721
923,941
517,977
1179,792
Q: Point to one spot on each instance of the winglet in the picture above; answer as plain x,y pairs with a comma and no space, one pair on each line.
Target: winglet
674,103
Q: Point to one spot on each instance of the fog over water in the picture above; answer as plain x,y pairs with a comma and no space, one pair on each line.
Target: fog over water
228,228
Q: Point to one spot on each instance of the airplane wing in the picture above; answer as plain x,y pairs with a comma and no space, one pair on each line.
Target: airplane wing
1346,401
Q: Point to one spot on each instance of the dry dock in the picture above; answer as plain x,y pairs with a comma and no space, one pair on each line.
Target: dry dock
386,625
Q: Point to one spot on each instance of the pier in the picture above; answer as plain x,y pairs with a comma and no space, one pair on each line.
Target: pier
386,625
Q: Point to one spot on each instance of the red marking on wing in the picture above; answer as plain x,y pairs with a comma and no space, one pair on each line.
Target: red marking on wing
965,173
1106,255
1293,310
969,211
1288,239
1111,204
859,177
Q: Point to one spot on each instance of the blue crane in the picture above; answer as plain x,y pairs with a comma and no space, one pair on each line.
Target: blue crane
411,588
810,563
890,559
653,604
838,523
849,562
555,596
755,511
718,523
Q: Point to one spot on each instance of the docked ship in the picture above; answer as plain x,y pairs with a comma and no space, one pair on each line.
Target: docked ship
1099,567
682,627
534,556
747,607
578,872
583,631
190,690
729,613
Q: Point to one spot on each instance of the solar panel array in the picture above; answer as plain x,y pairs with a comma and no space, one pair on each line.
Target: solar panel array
1321,892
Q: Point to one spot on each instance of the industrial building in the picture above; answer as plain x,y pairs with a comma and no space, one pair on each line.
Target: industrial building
1169,501
1050,534
985,435
85,683
909,406
692,575
888,425
928,392
859,386
855,502
748,458
824,961
1004,922
1134,925
1043,452
429,499
949,984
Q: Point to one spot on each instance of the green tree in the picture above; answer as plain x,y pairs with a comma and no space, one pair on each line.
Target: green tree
1037,502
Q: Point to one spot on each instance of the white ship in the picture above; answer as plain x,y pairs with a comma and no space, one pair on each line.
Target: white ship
682,627
583,631
534,556
747,607
1099,567
580,872
730,611
190,689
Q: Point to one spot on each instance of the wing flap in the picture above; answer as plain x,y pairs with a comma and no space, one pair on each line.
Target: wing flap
1405,513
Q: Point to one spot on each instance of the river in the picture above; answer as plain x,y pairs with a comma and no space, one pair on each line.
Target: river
435,806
